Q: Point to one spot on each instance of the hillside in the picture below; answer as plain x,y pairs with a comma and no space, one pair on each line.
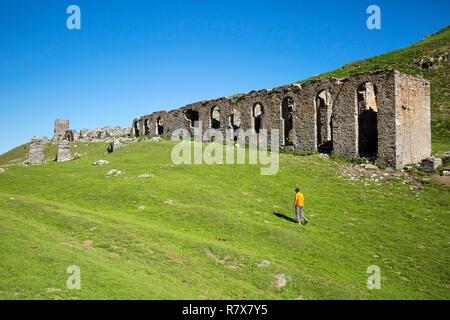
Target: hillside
418,59
198,232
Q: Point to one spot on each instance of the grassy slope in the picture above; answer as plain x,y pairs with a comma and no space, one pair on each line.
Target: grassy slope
207,244
403,60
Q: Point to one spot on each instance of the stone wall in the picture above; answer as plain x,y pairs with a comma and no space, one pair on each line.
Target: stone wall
355,116
413,119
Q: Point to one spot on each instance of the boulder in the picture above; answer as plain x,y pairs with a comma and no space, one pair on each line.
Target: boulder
369,166
2,170
76,155
114,172
263,264
431,163
146,175
155,139
101,163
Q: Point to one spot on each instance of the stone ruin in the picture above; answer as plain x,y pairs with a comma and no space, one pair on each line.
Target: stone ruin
36,153
381,116
61,129
63,153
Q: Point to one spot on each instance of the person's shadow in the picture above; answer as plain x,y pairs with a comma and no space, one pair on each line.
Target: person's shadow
282,216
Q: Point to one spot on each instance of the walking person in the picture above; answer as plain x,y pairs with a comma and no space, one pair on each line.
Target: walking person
299,204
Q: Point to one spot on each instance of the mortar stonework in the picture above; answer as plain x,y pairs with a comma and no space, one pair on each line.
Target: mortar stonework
370,123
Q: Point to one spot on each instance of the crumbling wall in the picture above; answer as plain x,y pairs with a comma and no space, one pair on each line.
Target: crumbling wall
412,119
337,127
63,152
36,152
102,133
61,127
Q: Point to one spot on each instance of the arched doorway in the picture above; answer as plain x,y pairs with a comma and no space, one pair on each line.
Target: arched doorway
367,121
324,125
136,128
147,126
159,126
257,115
193,117
287,122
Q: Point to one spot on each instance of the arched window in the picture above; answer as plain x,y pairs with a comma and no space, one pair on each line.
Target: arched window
287,122
367,121
257,115
193,117
324,126
234,122
215,118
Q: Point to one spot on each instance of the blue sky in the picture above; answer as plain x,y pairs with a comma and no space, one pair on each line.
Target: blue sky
134,57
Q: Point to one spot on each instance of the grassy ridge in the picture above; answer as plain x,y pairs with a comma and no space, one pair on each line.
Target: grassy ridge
404,60
206,244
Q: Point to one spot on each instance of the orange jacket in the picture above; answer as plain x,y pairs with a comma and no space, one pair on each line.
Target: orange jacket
299,200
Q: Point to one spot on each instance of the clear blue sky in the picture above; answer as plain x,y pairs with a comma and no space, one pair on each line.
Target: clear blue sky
134,57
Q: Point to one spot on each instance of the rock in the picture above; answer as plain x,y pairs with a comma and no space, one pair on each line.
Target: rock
369,166
76,156
446,173
100,163
36,153
281,280
114,172
2,170
146,175
168,202
63,153
155,139
263,264
431,163
141,207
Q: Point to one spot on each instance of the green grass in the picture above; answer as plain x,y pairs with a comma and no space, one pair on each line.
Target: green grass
404,61
221,224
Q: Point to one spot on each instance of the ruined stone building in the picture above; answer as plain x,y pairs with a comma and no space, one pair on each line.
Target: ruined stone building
383,116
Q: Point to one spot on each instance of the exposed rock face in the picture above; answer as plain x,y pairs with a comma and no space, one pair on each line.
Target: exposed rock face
63,153
36,153
103,133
